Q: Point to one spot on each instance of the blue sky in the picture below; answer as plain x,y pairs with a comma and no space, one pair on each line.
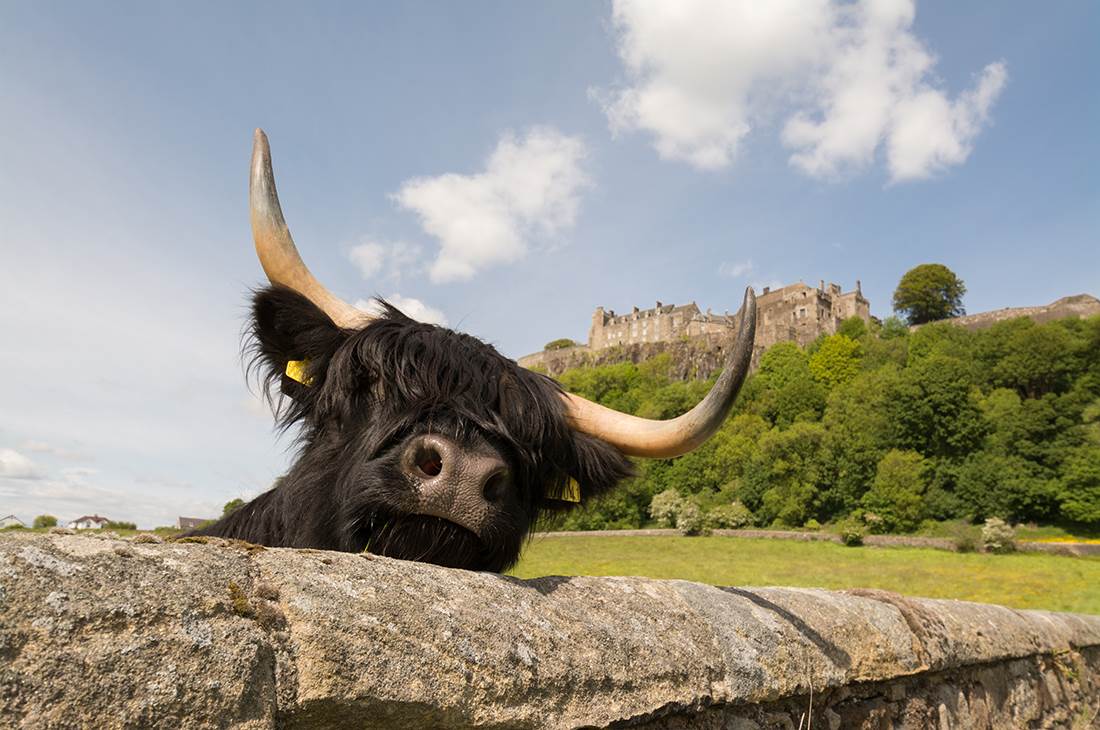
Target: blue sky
504,167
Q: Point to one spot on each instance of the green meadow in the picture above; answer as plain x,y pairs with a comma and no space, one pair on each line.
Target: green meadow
1022,580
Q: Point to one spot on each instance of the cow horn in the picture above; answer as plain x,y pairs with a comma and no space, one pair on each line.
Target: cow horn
636,436
276,249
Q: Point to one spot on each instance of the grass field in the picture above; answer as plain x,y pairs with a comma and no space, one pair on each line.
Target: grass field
1022,580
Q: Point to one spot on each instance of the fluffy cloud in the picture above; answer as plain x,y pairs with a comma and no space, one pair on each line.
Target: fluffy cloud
386,259
735,269
14,465
851,79
530,187
414,308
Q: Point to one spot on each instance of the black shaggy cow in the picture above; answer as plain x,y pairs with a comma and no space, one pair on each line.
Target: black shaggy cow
422,443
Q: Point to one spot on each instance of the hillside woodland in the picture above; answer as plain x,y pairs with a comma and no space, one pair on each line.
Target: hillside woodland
876,425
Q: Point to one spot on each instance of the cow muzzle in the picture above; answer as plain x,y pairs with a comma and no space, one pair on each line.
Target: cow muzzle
460,484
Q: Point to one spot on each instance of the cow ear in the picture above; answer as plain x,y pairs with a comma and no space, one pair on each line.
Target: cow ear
292,341
598,468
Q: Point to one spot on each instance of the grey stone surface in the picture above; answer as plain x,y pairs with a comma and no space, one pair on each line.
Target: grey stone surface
102,632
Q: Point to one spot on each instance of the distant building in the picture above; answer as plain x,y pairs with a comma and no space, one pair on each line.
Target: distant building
10,521
89,522
191,523
795,313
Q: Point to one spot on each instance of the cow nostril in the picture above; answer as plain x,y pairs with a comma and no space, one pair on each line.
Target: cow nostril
430,463
495,486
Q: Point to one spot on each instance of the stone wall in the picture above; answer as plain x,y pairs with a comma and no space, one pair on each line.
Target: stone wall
1079,305
107,633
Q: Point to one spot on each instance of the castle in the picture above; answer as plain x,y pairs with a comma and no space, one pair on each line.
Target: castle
795,313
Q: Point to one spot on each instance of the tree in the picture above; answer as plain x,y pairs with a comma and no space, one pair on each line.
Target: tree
782,483
42,521
853,327
897,493
232,506
929,292
836,360
560,344
1081,486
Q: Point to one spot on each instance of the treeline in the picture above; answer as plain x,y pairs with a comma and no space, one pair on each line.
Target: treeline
882,426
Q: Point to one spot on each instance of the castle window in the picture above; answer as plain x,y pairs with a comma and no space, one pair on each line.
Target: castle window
801,312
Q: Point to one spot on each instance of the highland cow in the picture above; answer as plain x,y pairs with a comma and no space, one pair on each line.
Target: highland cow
422,443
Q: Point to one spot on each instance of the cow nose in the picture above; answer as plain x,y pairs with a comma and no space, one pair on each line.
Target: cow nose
456,483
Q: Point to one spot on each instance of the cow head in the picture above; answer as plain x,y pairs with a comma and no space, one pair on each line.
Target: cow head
422,443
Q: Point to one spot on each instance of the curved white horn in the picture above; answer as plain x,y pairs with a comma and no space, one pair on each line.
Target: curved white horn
664,439
276,249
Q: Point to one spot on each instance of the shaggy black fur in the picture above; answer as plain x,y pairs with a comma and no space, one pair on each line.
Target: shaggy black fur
373,389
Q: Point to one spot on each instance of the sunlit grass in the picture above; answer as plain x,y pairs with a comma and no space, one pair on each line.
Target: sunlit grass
1025,580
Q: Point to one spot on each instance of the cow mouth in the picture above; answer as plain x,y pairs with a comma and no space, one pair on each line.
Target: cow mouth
430,539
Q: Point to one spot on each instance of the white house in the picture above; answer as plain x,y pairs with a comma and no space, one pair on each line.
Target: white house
9,521
89,522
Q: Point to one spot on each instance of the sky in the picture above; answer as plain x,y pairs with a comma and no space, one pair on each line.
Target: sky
501,168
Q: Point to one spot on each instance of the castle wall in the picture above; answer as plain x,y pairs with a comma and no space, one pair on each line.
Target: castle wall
798,313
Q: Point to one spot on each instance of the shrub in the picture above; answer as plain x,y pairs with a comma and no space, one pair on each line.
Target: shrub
812,524
964,537
851,532
112,525
874,524
998,536
43,521
690,520
729,516
560,344
665,507
15,526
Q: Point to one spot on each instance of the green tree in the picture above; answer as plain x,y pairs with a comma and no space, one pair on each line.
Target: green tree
1080,488
232,506
929,292
897,493
788,392
853,327
782,484
42,521
559,344
858,433
836,361
1034,359
1005,486
934,409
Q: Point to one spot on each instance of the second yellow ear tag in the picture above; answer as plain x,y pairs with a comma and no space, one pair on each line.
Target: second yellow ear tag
571,492
296,370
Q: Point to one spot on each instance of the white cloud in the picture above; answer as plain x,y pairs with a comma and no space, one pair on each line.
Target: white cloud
43,447
530,187
413,308
387,259
851,79
735,269
14,465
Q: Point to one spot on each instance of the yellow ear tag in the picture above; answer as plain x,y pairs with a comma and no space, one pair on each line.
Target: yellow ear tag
296,370
571,492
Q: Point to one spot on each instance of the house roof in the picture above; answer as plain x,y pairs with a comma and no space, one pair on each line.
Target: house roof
91,518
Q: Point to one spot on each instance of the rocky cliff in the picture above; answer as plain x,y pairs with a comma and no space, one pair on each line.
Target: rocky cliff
108,633
696,358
